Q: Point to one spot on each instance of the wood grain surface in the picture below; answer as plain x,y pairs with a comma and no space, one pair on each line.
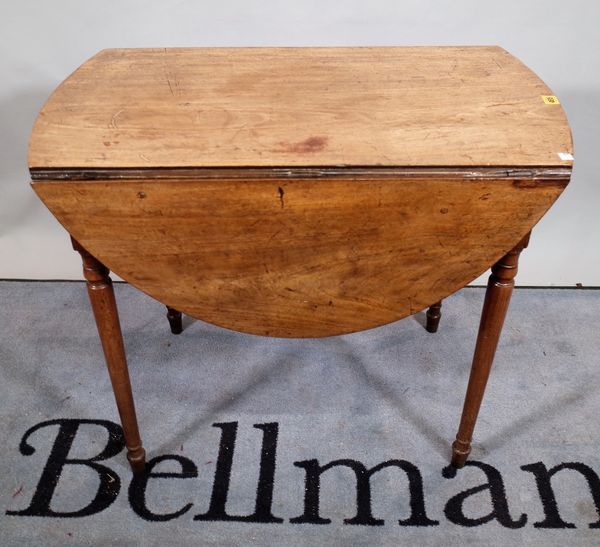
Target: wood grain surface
264,107
299,257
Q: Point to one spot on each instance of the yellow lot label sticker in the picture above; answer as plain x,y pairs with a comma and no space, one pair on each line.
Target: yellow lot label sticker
550,99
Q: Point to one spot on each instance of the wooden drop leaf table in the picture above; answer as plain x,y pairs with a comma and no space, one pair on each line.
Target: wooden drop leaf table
300,192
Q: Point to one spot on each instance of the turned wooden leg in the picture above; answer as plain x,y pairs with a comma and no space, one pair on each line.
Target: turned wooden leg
102,298
175,320
433,317
497,298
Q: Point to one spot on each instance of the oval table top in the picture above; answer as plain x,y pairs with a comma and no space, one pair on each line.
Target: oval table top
300,192
407,107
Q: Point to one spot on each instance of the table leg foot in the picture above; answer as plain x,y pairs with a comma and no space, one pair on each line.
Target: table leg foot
460,453
104,306
175,320
434,313
495,306
137,459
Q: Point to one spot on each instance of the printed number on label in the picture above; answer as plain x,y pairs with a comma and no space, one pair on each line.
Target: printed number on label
550,99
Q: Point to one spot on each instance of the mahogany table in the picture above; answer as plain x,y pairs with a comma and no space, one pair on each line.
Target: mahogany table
300,192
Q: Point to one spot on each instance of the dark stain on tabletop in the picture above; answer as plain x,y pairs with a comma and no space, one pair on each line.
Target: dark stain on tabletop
307,146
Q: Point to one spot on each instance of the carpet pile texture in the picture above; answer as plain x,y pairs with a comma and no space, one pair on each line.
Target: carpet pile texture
262,441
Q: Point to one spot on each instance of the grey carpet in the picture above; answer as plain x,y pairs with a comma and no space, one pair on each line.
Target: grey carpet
392,393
